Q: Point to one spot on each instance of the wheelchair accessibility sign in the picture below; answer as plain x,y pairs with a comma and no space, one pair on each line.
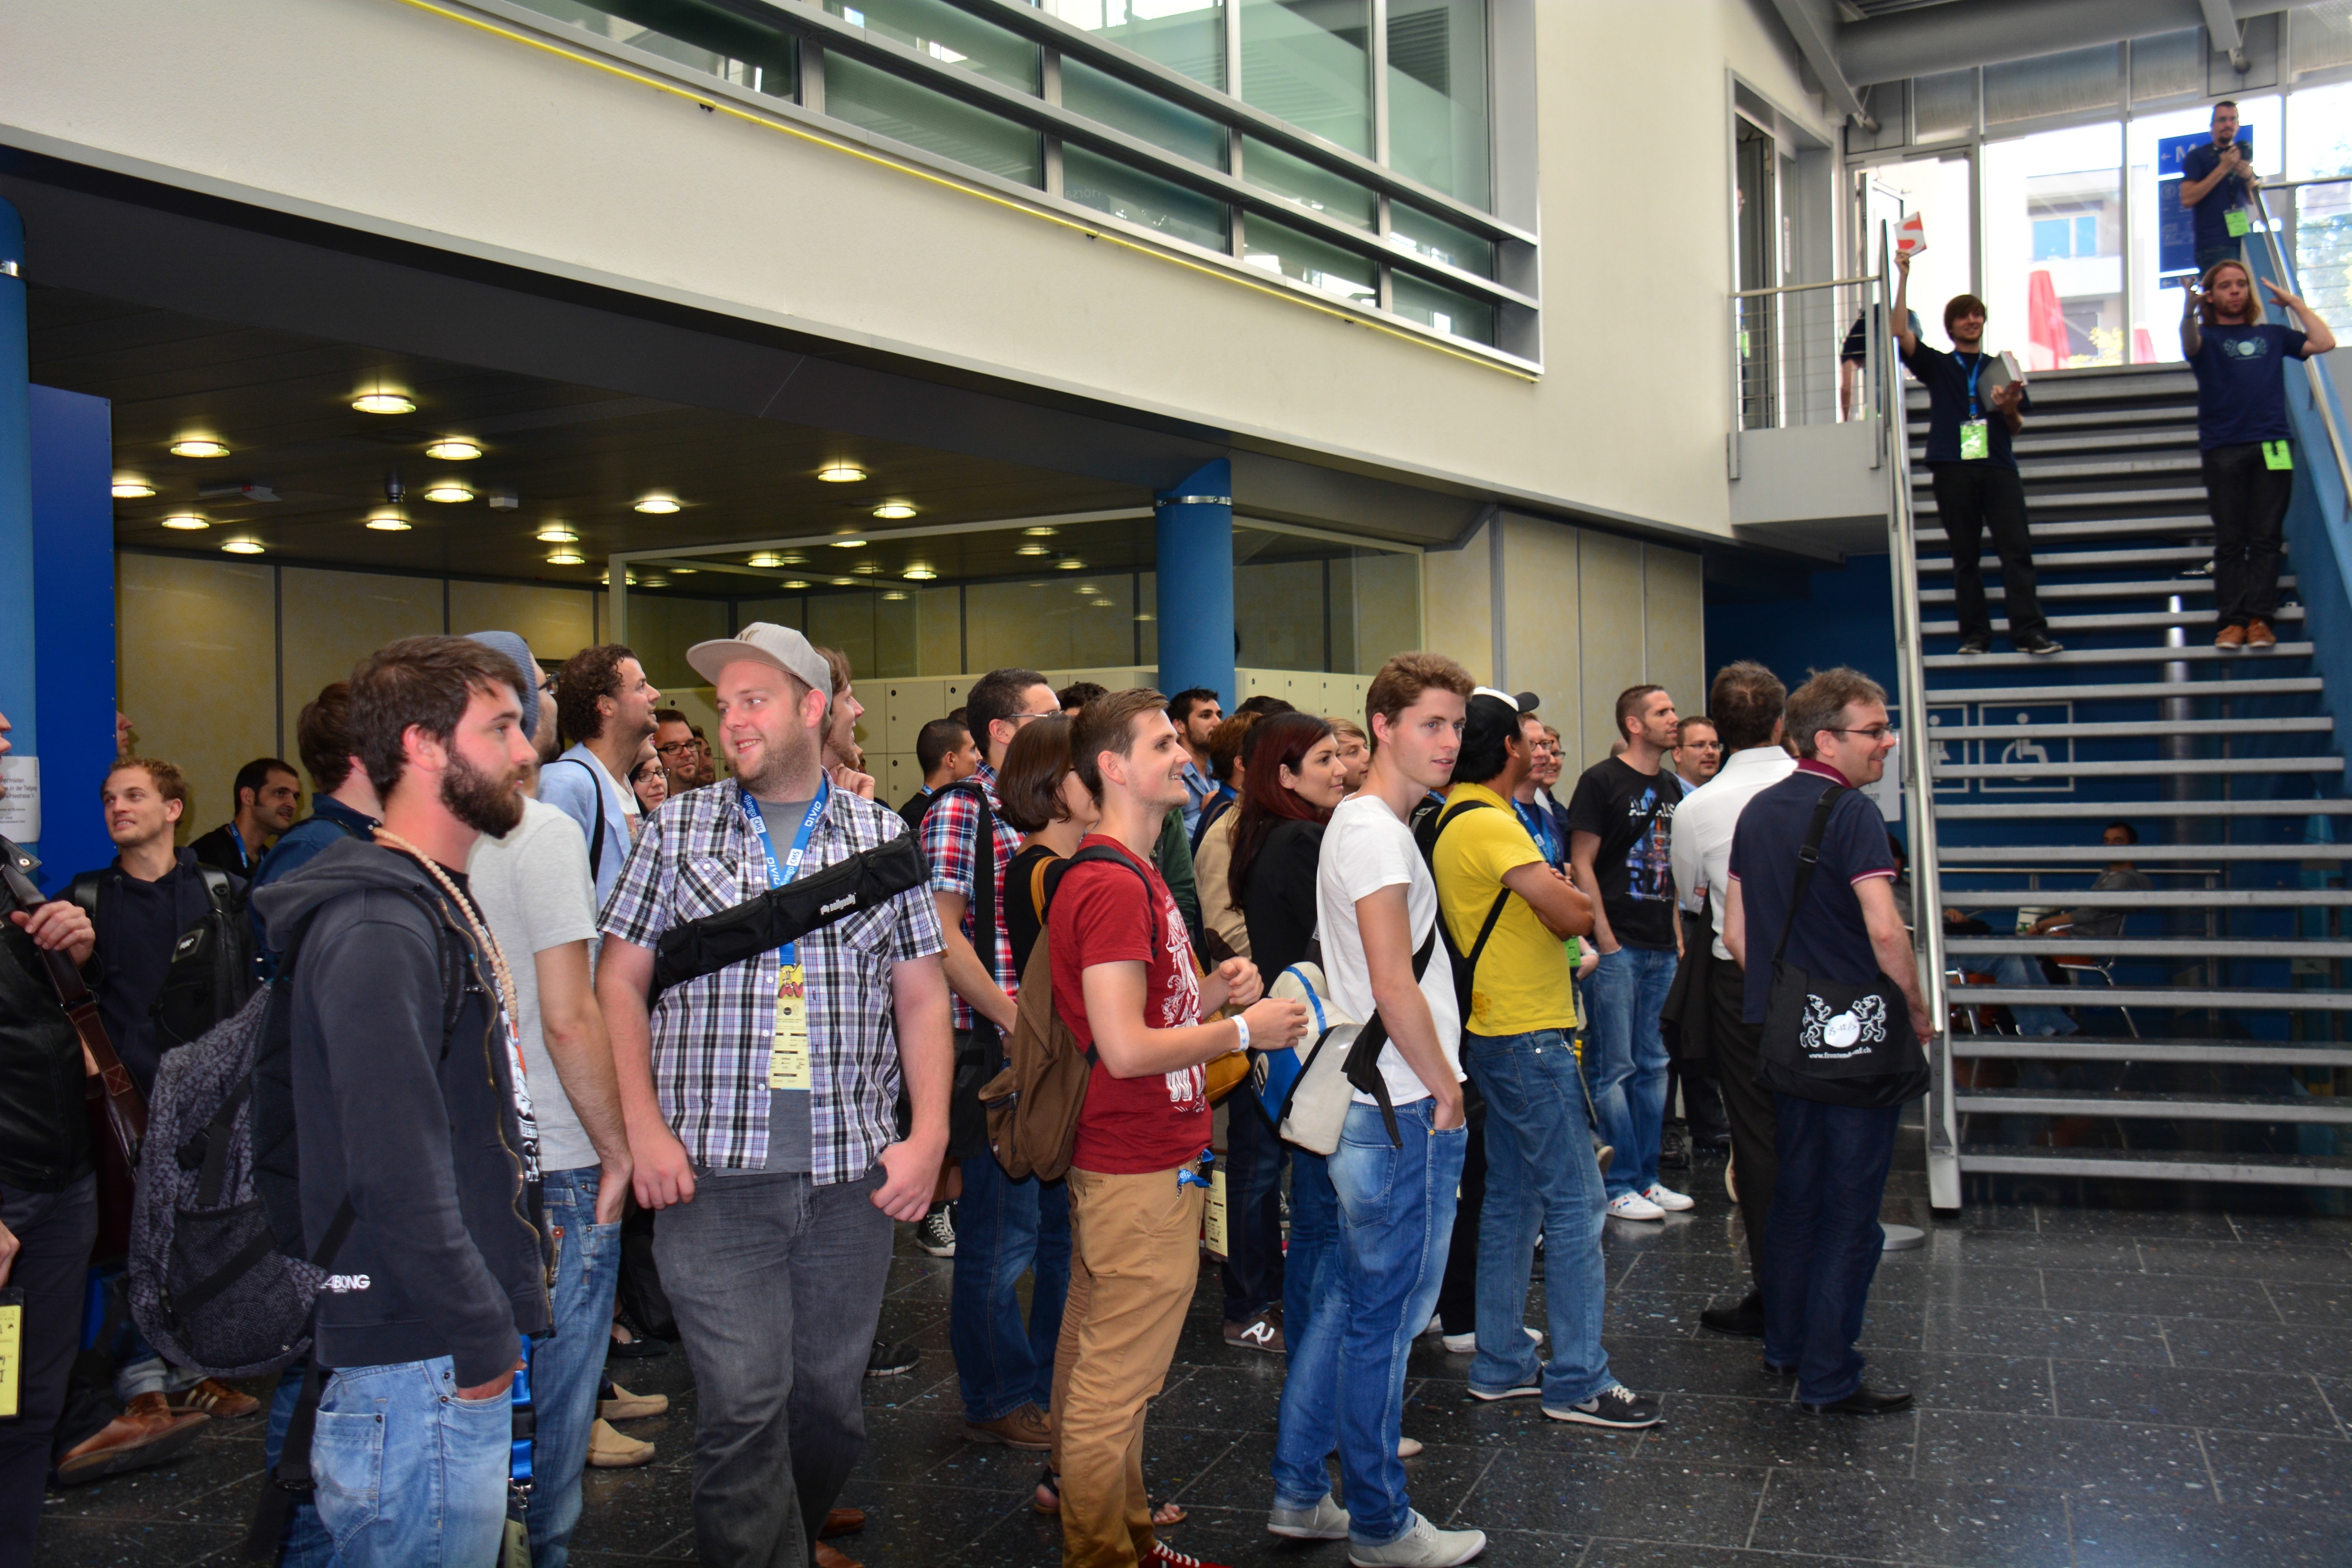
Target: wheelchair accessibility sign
1942,754
2026,751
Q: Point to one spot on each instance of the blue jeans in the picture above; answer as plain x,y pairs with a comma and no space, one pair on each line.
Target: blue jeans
1539,1170
1253,1267
567,1368
1823,1240
1628,1065
1005,1228
307,1544
410,1476
1314,1236
2016,970
1346,1386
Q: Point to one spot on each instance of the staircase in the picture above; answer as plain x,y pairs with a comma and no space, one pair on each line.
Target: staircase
2215,1033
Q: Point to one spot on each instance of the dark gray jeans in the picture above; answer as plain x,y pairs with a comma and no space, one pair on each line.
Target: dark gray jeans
777,1285
55,1229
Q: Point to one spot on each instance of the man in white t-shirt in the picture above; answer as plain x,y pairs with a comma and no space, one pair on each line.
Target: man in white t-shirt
534,890
1398,1163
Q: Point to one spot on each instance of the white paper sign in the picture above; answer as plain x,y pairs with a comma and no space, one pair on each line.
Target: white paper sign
20,808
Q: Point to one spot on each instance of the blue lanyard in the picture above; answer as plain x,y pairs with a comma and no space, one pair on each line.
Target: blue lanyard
780,872
518,1467
1974,370
238,840
1535,820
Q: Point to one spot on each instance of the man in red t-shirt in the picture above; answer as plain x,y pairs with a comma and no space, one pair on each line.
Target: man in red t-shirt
1126,984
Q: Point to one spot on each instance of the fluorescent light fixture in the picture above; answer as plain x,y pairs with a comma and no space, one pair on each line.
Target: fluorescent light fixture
453,451
766,557
199,446
558,534
388,522
659,504
565,556
796,582
894,510
1034,549
841,473
919,574
242,547
448,490
127,489
846,544
1073,564
186,520
381,402
1039,533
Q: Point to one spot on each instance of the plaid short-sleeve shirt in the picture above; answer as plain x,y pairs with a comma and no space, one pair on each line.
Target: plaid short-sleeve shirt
712,1037
949,829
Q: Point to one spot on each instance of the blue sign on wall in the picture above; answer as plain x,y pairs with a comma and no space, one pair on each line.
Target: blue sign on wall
2176,225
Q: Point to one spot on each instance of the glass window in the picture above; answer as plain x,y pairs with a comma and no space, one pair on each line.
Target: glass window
1122,106
1187,35
2062,310
933,122
946,33
1306,61
704,39
1443,309
2319,143
1437,95
1108,187
1280,248
1439,241
2156,298
1310,184
1936,189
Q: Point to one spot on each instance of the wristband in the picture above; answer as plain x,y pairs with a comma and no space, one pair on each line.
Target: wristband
1242,1024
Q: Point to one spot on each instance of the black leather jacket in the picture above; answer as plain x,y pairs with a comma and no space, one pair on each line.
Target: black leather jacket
44,1130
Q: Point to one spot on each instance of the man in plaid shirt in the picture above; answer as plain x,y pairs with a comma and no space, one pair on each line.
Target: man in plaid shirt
762,1104
1004,1228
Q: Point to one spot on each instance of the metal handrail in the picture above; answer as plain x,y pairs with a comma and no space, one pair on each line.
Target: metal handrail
1801,288
1918,797
2321,383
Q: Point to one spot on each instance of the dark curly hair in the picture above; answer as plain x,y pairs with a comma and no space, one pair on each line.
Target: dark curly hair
587,675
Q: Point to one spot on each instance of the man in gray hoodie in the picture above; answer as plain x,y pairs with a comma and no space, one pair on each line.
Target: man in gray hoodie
414,1132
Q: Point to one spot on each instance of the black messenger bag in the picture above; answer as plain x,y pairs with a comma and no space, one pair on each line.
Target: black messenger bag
1825,1041
781,915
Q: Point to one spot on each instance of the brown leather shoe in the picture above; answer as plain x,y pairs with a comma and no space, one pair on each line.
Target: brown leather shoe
215,1399
148,1432
2229,637
612,1450
2259,634
826,1557
841,1521
1024,1429
626,1407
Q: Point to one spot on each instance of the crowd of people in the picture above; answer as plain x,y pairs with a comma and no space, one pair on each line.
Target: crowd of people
546,981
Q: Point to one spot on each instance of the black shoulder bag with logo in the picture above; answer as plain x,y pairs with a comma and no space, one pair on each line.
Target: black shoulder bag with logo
1840,1044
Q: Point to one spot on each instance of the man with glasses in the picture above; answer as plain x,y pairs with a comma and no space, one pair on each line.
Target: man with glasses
1697,752
682,754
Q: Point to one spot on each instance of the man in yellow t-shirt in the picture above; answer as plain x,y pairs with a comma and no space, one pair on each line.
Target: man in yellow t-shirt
1517,1011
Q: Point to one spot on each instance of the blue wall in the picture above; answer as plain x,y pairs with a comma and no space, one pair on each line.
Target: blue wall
73,593
1845,617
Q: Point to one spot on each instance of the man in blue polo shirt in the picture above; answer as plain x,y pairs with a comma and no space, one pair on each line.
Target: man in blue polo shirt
1973,408
2217,184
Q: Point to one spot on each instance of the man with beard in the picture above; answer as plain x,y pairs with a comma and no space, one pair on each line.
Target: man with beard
762,1102
268,797
419,1153
606,707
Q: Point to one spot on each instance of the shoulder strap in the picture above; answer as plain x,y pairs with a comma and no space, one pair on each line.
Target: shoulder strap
1037,894
83,891
983,877
1468,969
1807,857
596,838
216,887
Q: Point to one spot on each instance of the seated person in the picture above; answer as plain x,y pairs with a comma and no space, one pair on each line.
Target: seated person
2096,921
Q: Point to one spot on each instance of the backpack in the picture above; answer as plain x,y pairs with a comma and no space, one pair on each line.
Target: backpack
214,966
219,1277
1429,821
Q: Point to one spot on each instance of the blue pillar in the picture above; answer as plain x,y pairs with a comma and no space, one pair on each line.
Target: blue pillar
16,698
73,567
1194,540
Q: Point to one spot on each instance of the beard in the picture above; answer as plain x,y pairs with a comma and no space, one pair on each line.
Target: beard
485,804
797,754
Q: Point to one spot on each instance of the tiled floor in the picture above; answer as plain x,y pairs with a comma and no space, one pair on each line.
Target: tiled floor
2095,1386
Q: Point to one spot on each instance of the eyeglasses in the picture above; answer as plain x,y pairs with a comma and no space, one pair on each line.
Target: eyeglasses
1704,745
1877,732
1017,719
676,748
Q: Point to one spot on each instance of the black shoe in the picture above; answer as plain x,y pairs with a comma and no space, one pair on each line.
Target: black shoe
2038,644
1745,1320
1865,1401
891,1360
639,1346
1975,644
1783,1372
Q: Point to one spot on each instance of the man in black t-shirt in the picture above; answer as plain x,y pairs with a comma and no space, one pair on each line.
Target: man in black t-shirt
1973,408
1617,847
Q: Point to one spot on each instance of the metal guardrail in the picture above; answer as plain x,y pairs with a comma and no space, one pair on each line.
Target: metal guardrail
1802,354
2322,389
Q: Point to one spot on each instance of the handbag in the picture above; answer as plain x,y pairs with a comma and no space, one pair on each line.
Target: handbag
126,1112
1304,1088
1829,1041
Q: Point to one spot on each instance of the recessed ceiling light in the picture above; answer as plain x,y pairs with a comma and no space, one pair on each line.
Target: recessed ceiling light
1039,533
1145,617
558,534
796,582
867,567
448,490
793,558
919,574
385,403
1034,549
766,557
565,557
895,594
242,547
1073,564
684,570
841,473
629,578
846,544
847,582
388,523
654,582
658,505
127,489
894,510
453,451
186,520
200,447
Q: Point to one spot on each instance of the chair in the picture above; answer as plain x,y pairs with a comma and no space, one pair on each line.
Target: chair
2076,967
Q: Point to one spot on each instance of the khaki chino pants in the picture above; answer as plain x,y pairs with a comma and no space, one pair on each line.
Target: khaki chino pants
1135,1256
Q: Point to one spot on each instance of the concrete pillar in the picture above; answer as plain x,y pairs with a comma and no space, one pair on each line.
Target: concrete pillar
1194,540
17,635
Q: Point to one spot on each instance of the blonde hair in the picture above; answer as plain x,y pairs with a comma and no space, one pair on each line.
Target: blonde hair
2205,311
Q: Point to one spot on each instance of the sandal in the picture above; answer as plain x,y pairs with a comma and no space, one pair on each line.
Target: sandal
1047,1500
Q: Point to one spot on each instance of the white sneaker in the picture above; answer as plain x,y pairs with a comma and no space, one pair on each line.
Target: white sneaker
1633,1206
1667,1198
1327,1521
1461,1343
1422,1545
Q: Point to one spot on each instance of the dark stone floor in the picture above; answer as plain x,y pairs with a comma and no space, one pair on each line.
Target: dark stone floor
2095,1386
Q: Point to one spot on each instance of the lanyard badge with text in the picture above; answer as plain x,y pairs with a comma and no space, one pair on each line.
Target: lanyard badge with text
788,1055
1976,431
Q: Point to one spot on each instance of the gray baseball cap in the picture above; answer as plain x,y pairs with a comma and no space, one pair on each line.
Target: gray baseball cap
764,642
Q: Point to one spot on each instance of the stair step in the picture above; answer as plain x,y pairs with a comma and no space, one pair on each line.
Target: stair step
2166,588
2137,810
2279,1170
2126,621
2047,561
2132,691
2192,946
2198,898
2108,435
2099,383
2181,1107
2172,766
2194,998
2150,655
2132,729
2056,470
1924,507
2183,413
2083,1047
2154,854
